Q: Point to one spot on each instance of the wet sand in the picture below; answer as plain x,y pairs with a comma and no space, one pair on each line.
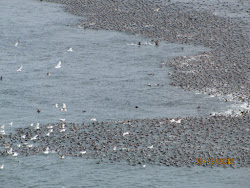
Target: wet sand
172,142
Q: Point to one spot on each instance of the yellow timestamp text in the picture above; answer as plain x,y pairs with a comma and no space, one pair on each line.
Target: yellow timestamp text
214,161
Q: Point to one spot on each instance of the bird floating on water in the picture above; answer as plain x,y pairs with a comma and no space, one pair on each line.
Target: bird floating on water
62,120
93,119
64,108
70,50
58,65
20,69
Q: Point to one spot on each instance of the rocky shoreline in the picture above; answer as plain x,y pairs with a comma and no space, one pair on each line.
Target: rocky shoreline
172,142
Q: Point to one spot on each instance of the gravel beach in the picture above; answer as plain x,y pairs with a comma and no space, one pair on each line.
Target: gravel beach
222,71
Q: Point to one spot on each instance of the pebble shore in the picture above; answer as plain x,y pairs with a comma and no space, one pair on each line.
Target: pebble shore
223,71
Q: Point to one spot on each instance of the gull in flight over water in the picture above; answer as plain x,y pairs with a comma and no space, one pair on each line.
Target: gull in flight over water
2,167
16,43
70,50
34,138
58,65
20,69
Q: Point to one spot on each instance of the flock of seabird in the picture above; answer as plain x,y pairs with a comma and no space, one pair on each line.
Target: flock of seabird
167,141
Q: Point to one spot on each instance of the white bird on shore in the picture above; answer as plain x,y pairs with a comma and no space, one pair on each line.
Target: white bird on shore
50,127
58,65
150,147
15,154
10,124
179,121
56,106
2,132
62,130
23,136
10,152
31,124
30,145
70,50
126,133
34,138
20,69
19,145
46,151
83,152
172,120
2,127
2,167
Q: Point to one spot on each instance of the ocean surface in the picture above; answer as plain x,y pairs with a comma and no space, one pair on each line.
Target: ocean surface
104,77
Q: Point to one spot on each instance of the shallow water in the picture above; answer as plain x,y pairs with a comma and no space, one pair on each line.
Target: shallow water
107,75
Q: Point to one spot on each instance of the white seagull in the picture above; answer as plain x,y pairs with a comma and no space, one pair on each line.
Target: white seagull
34,138
58,65
37,126
11,123
150,147
93,119
20,69
15,154
16,43
83,152
2,167
64,108
46,151
62,120
70,50
126,133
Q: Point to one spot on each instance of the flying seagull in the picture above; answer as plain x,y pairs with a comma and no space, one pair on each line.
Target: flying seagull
58,65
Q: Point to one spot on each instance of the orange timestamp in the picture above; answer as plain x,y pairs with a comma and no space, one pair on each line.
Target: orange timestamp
212,161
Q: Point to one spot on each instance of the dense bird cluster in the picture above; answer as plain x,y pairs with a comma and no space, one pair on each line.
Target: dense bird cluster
224,71
171,142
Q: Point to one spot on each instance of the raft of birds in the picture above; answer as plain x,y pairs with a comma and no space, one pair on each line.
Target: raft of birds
171,142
